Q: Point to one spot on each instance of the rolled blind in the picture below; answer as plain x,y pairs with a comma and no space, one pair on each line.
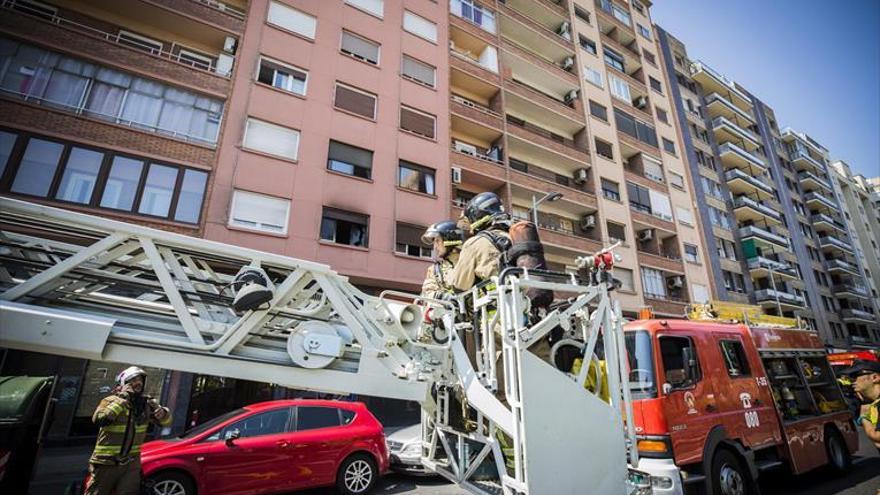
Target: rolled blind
356,102
292,19
345,216
360,48
271,138
349,154
416,122
419,71
409,234
419,26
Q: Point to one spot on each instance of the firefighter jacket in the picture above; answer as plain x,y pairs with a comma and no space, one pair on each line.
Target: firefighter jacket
438,277
123,425
479,260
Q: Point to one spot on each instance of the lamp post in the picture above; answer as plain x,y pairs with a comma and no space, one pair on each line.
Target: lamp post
550,197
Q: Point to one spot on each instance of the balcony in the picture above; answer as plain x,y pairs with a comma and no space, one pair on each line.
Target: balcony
612,16
714,82
850,290
811,182
560,230
815,199
825,223
718,105
474,14
769,298
664,306
763,267
736,157
803,161
728,131
577,185
533,103
763,236
549,13
858,316
832,242
746,208
543,31
671,263
521,60
548,139
840,265
475,111
479,53
740,183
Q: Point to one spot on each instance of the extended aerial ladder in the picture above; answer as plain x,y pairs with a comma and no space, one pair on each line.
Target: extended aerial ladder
88,287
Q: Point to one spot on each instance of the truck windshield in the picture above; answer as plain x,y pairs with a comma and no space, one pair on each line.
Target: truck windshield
641,365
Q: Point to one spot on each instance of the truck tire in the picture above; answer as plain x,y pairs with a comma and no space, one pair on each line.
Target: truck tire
729,475
357,475
839,458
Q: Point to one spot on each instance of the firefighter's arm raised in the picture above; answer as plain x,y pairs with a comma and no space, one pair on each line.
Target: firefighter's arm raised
159,414
107,410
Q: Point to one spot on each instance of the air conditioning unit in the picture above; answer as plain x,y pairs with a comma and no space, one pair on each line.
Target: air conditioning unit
224,64
588,222
564,30
641,102
230,44
568,63
571,96
456,175
465,148
646,235
581,176
676,282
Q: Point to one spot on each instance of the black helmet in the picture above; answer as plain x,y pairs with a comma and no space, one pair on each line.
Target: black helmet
482,209
447,230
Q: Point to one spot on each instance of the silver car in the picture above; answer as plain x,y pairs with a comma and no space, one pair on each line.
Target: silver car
405,447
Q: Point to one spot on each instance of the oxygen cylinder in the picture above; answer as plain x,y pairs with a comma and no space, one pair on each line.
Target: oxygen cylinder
526,251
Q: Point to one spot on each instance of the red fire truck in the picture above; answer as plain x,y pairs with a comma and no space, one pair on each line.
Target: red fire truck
717,403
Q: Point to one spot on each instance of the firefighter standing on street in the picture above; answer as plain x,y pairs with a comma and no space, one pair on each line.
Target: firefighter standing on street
447,238
865,377
123,418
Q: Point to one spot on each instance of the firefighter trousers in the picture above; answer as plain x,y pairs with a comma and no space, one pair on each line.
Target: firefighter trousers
118,479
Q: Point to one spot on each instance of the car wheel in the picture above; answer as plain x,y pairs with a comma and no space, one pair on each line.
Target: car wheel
170,483
729,476
356,475
839,457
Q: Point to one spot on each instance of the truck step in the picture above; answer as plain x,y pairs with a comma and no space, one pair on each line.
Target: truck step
768,464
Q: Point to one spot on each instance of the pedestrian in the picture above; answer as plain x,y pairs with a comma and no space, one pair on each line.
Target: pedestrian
123,418
866,384
446,237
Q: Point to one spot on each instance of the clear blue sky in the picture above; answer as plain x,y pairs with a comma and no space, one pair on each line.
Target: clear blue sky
817,64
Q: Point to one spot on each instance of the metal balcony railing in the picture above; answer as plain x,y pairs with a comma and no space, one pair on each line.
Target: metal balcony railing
780,295
834,241
736,173
776,266
756,231
751,158
741,201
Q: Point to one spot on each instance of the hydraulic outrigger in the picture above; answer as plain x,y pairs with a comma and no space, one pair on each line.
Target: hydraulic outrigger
88,287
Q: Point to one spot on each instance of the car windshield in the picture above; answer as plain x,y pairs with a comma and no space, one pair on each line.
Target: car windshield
642,384
207,425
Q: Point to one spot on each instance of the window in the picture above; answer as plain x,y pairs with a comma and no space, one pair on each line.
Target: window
625,276
418,71
652,168
259,212
735,358
80,175
638,6
475,13
582,14
587,44
619,88
343,227
653,283
349,160
604,148
271,139
636,128
282,76
676,180
616,232
312,418
408,241
190,196
139,42
419,26
614,59
418,122
7,142
691,254
700,293
158,190
669,146
598,111
661,115
684,215
593,76
267,423
359,48
37,168
611,190
655,85
375,7
681,366
291,19
415,177
649,57
355,101
645,32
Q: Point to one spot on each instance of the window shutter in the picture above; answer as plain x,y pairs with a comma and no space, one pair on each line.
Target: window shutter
416,122
360,48
349,154
419,26
355,101
409,234
271,138
345,216
292,19
419,71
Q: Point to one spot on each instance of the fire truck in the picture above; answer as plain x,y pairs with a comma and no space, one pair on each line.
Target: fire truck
723,396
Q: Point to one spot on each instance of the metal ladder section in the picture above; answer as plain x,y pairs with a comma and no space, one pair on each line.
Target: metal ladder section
84,286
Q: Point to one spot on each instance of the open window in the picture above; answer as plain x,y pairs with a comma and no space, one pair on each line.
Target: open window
681,368
735,359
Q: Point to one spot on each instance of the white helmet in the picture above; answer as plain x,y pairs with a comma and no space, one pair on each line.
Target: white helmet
128,374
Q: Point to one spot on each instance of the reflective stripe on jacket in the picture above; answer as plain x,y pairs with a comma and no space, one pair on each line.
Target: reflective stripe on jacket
121,433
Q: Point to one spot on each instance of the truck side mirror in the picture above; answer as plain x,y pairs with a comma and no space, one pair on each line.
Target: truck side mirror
690,363
231,436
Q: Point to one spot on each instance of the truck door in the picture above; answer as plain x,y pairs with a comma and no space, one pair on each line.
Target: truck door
689,399
745,408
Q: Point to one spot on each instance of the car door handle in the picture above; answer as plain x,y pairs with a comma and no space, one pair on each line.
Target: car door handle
282,443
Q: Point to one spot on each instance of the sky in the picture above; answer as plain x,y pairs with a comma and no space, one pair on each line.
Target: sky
815,63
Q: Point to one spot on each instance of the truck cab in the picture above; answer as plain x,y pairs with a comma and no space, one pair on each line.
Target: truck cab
704,406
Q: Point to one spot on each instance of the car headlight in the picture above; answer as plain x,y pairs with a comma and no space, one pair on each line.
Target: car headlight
414,448
638,483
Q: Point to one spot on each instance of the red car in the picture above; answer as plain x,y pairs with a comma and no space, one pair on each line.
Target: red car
272,447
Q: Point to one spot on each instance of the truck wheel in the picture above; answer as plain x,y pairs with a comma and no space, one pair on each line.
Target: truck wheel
356,475
839,457
729,475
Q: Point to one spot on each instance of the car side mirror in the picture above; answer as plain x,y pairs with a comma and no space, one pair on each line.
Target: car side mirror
231,436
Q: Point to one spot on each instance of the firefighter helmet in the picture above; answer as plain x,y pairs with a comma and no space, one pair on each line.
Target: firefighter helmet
128,374
483,209
447,230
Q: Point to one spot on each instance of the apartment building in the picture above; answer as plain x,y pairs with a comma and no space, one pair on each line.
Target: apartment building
766,201
564,105
860,314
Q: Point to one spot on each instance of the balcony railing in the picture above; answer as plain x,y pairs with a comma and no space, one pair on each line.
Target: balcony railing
766,235
741,201
857,289
715,97
857,314
546,134
222,7
549,175
743,133
736,173
211,65
732,148
558,223
821,217
494,155
698,66
473,13
805,175
834,241
615,10
837,264
798,155
773,265
491,67
814,196
781,296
